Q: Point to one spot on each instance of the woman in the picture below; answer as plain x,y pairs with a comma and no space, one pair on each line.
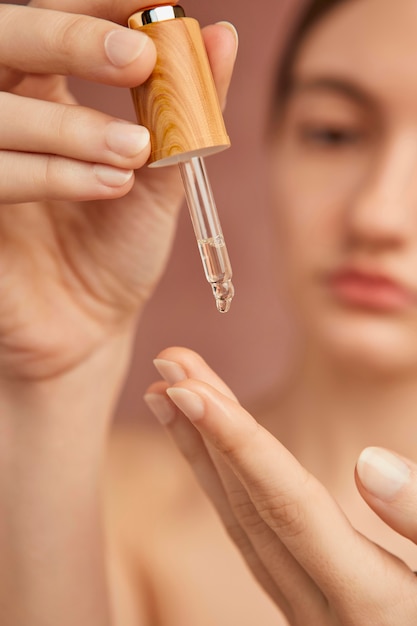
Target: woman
343,156
71,295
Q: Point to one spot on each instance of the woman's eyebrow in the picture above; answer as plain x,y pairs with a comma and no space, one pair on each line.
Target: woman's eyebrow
334,85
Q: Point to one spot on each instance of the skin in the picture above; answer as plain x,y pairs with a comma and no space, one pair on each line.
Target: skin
84,242
348,201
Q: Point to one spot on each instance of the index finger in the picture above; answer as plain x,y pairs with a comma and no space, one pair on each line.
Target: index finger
107,9
39,41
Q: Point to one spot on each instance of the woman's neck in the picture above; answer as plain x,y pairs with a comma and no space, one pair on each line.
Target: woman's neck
327,413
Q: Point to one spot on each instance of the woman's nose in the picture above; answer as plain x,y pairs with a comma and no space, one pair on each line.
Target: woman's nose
383,213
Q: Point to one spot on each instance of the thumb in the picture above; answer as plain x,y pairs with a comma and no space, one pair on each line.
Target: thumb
221,42
388,483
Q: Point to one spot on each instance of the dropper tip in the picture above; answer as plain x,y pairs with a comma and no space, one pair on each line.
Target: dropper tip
223,306
223,293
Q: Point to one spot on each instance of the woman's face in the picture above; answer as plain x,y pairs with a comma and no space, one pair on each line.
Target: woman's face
345,183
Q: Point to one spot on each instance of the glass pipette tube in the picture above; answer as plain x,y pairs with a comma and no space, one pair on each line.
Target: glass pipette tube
208,231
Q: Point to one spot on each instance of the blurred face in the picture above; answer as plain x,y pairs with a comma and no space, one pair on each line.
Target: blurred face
345,183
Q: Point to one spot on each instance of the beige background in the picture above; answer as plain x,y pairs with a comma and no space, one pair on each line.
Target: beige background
248,346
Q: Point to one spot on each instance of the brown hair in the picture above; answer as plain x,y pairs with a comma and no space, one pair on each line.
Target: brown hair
310,15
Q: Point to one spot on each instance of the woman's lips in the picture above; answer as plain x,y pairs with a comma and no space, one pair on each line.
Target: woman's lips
370,290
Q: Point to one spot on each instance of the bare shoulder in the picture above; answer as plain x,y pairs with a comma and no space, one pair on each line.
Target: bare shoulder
145,484
145,477
174,562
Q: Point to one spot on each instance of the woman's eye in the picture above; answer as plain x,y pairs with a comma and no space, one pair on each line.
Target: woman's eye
329,136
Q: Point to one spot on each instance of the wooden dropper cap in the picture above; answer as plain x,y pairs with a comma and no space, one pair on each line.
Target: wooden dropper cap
178,103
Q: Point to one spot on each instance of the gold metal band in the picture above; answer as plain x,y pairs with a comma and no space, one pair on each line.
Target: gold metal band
157,14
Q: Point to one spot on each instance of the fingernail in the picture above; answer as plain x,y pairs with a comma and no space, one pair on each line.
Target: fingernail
382,473
128,140
124,46
170,371
160,407
111,176
188,402
232,29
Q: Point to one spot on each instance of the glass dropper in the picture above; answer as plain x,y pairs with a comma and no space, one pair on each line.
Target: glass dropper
208,231
180,106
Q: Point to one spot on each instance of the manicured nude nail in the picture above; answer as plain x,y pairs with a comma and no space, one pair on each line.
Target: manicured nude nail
232,29
111,176
188,402
124,46
128,140
170,371
160,407
382,473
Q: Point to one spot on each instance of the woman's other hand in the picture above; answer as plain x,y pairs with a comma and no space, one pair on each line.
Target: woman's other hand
84,239
318,569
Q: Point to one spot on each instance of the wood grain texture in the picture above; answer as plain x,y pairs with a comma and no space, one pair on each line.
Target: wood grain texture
178,103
